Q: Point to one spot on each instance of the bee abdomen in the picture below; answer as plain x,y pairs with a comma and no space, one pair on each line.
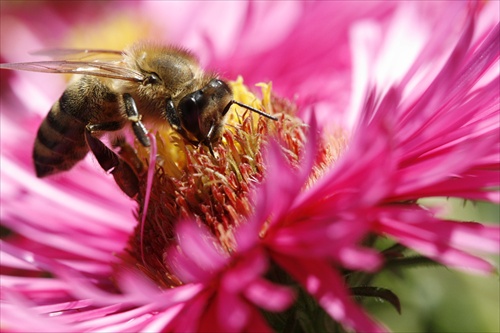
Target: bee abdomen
60,141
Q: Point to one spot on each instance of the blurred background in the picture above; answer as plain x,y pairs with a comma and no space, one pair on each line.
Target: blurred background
436,299
248,39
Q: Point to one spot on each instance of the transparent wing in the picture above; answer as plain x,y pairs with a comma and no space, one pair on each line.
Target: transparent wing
114,70
80,54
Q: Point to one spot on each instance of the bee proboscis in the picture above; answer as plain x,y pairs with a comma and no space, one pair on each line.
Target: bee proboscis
145,83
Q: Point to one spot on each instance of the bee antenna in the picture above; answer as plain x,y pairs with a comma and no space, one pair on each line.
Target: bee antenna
248,107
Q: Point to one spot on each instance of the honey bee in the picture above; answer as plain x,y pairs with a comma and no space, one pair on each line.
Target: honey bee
145,83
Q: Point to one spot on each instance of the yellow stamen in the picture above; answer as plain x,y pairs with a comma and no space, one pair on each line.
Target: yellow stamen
190,183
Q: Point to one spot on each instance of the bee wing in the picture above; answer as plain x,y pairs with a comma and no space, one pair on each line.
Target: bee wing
79,54
114,70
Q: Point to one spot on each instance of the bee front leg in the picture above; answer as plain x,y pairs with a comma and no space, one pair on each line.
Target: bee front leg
133,115
172,116
129,154
123,173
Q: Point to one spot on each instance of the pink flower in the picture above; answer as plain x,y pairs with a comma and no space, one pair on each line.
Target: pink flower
251,248
233,287
444,142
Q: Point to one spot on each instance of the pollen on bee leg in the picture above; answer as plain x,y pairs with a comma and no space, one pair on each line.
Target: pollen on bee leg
190,183
134,119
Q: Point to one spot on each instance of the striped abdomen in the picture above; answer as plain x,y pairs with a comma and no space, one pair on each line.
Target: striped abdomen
60,141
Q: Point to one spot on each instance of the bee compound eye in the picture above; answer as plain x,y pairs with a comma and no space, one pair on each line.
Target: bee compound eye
189,108
215,83
219,85
188,105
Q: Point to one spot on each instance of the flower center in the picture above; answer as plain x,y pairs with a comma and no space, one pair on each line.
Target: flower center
190,183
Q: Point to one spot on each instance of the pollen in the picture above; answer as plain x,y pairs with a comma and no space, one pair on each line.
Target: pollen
215,191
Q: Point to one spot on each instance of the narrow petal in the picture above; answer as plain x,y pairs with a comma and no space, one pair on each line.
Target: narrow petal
320,280
269,296
441,240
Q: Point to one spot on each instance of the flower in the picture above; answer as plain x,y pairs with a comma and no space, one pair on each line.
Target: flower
281,227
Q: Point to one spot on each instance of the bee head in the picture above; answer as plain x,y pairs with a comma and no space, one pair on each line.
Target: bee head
202,112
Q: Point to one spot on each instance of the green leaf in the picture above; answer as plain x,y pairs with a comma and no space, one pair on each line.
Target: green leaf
377,292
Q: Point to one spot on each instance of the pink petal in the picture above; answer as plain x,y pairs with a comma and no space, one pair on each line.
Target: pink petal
198,258
321,281
269,296
438,239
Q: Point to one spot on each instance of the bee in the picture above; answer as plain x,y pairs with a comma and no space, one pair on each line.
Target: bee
145,83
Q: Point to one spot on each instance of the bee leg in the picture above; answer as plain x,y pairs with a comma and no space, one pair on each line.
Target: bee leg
210,149
175,121
207,142
133,115
172,116
129,154
105,127
122,172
